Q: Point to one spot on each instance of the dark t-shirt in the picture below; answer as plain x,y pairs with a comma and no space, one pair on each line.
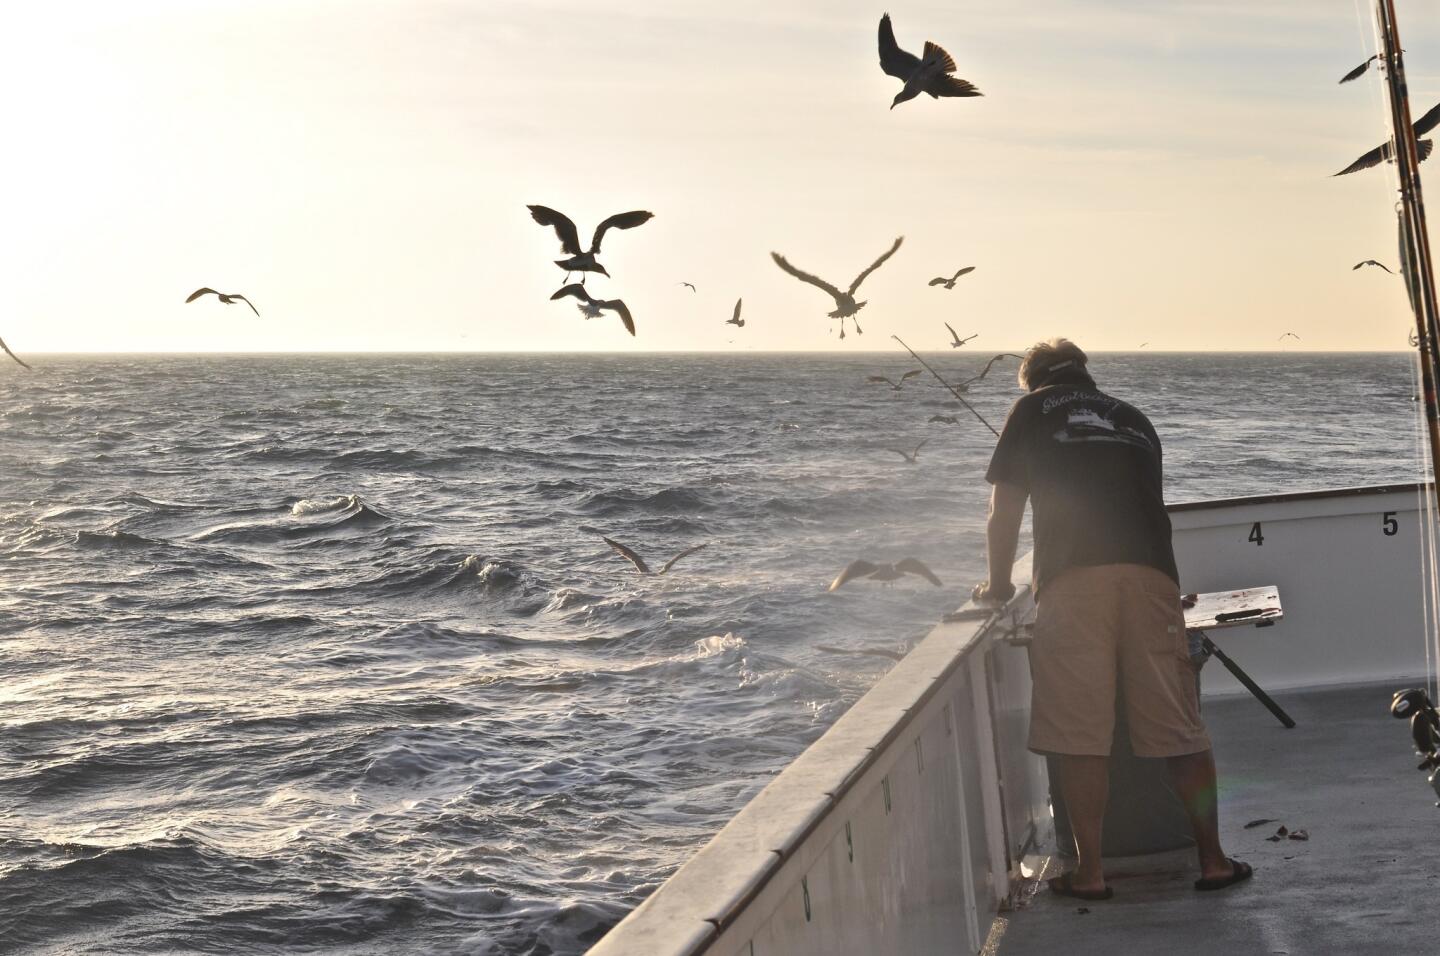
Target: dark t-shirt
1091,465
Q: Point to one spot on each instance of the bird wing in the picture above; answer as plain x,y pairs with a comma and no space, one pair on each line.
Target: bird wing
736,316
910,374
199,292
986,371
855,569
247,302
1366,160
1429,121
816,281
691,285
13,355
963,271
947,84
939,280
902,454
953,334
669,564
627,554
619,307
564,228
916,566
1358,72
575,289
893,60
916,452
877,379
621,220
1423,148
875,265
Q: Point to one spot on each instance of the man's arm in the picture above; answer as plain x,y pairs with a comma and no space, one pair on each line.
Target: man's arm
1002,537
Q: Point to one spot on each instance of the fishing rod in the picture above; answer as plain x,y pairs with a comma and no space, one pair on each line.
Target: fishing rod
953,390
1418,270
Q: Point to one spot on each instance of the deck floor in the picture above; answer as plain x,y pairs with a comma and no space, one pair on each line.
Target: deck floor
1367,880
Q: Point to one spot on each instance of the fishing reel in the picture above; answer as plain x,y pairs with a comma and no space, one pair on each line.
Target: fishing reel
1415,704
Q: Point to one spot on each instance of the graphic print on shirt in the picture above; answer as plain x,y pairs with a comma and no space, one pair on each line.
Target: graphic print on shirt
1084,422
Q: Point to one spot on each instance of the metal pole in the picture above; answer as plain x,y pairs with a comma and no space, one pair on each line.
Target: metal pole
1414,236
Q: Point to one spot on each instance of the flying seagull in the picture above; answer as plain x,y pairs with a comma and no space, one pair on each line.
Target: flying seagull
1288,335
930,73
845,304
877,379
1371,262
639,562
691,285
957,340
950,282
912,457
591,307
965,385
1383,152
944,419
570,239
227,299
884,572
13,355
735,319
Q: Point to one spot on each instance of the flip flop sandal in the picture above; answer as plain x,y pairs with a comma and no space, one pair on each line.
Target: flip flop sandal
1061,886
1239,872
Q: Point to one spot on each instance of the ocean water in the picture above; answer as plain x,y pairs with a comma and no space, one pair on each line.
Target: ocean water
325,653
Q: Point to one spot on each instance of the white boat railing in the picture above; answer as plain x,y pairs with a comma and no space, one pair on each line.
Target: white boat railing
897,832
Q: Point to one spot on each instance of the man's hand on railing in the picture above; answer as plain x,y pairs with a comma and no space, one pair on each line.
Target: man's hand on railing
988,593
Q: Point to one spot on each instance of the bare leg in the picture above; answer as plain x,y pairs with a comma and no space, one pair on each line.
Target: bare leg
1085,782
1194,778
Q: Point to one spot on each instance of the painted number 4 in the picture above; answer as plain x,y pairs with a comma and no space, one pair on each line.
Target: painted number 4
1255,535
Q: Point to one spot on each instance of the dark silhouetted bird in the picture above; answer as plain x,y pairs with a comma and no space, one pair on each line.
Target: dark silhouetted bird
965,385
950,282
955,340
1288,335
735,319
930,73
570,239
13,355
639,562
1383,152
911,457
592,307
877,379
944,419
1371,262
691,285
845,304
227,299
884,572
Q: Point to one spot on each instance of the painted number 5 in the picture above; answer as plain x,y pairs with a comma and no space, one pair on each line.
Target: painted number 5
1255,535
1389,525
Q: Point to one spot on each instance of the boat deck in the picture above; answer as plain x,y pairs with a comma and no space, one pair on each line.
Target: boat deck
1366,881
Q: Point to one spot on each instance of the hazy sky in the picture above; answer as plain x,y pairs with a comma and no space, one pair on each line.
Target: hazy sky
1136,172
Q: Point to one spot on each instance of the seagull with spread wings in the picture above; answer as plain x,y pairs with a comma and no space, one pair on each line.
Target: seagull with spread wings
913,457
591,307
1288,335
956,340
228,299
1370,262
950,282
580,261
1384,152
13,355
965,385
845,304
639,562
878,379
884,572
930,73
691,285
735,319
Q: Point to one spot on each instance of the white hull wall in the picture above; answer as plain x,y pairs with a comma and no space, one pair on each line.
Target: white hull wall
1352,593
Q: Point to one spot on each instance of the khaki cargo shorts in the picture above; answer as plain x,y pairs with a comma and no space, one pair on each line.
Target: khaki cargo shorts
1109,627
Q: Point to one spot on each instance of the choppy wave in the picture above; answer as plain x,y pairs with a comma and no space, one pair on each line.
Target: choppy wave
342,664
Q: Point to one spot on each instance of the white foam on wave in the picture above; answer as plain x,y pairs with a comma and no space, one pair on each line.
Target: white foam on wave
312,506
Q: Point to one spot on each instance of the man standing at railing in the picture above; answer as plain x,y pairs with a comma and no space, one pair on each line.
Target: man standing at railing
1108,616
